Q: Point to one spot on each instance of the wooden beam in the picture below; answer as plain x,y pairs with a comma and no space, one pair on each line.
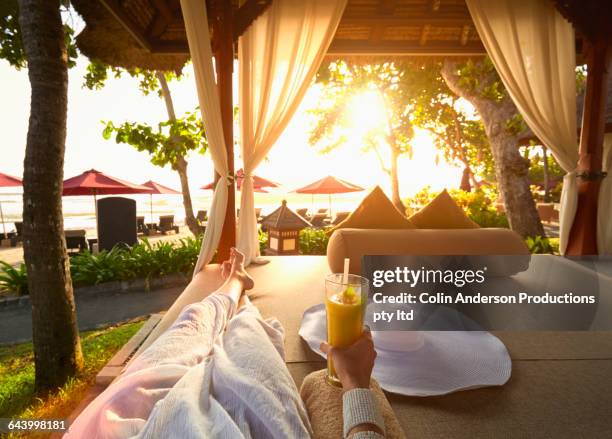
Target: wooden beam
224,59
404,48
247,13
465,35
163,17
417,20
583,234
132,27
170,47
424,34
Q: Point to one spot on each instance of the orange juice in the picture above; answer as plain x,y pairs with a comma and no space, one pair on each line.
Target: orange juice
344,323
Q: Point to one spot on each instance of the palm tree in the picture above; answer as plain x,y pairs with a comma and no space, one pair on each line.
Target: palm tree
57,349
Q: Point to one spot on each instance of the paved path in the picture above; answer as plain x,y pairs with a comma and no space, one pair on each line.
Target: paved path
93,311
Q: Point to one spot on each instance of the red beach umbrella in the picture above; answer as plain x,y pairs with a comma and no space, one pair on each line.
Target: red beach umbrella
96,183
329,185
7,181
259,183
158,189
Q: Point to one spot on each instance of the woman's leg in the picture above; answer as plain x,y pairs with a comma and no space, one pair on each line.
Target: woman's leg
191,337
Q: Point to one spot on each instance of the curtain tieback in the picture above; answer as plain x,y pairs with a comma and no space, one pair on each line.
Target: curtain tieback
591,175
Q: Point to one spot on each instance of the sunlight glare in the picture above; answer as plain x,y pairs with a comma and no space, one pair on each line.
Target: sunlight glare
367,111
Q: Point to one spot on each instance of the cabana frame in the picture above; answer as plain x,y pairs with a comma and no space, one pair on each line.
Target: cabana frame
156,38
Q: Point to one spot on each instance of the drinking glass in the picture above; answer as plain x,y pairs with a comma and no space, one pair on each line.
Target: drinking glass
345,304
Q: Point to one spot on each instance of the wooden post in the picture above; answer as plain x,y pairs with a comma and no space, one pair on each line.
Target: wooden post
583,234
224,61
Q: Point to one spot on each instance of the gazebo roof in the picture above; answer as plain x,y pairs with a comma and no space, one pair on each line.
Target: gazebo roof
151,34
284,218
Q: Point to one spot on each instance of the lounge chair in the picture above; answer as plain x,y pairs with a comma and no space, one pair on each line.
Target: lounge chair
340,216
319,220
76,240
166,224
141,226
303,212
323,210
202,216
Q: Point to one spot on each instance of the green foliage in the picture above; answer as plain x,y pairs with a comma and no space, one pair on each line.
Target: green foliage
90,269
542,245
13,279
166,144
313,241
263,241
482,79
11,46
148,82
478,205
142,261
516,125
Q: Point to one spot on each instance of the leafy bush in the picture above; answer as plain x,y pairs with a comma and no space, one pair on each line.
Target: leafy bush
313,241
478,205
263,241
89,269
13,279
542,245
144,260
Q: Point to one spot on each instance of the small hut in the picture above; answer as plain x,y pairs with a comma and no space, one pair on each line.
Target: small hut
283,226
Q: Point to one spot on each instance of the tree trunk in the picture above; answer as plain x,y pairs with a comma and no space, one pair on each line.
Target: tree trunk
181,164
546,174
511,169
395,192
190,219
57,349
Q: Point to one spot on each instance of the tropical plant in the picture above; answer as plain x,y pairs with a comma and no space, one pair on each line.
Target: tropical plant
14,279
91,269
263,241
539,245
313,241
478,205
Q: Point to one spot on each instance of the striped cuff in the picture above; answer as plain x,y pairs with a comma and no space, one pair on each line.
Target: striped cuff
359,406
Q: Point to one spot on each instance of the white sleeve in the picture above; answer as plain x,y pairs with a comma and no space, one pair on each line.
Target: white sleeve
359,407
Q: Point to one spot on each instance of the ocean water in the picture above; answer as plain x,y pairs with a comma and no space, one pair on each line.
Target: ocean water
79,212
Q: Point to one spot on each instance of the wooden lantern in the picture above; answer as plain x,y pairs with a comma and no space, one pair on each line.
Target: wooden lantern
283,227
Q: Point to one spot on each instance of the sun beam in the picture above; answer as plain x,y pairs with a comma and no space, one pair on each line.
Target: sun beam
367,111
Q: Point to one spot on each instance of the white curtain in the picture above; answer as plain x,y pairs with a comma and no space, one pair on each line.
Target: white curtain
532,48
604,210
278,55
196,25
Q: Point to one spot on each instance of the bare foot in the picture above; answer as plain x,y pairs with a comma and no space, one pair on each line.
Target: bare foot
234,268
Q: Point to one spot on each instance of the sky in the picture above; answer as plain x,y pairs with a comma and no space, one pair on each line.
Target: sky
292,161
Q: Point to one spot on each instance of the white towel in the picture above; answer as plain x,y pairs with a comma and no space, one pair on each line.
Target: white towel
200,379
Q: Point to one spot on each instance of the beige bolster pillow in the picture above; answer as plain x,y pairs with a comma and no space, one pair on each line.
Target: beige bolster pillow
355,243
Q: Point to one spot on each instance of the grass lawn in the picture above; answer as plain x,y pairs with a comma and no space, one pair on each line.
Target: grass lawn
17,398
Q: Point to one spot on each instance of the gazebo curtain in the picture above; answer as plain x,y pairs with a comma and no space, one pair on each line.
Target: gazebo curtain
278,56
196,25
532,48
604,210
